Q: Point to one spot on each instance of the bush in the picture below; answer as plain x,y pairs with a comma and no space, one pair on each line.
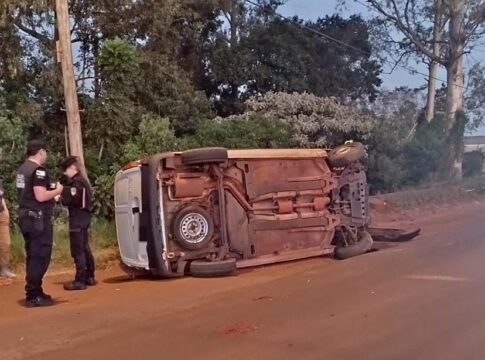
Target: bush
13,138
424,152
155,135
243,131
314,121
473,163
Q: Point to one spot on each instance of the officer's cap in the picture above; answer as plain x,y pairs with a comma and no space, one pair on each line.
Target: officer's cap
70,160
34,146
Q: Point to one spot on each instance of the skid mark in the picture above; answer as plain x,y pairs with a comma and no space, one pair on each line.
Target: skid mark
438,278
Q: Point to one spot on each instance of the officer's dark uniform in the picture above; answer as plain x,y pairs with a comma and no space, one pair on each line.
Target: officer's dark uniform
77,196
35,224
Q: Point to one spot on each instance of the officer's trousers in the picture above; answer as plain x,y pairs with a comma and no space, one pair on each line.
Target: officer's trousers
81,253
38,250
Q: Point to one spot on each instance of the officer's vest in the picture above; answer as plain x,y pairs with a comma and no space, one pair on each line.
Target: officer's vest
25,189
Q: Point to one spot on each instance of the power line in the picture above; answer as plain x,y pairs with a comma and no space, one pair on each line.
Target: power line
342,43
473,48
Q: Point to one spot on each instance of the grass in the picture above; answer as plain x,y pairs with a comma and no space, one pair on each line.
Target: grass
102,241
436,194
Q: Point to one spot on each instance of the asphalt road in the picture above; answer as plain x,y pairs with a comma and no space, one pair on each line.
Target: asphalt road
419,300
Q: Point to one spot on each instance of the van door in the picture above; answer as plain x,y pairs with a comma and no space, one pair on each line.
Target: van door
128,206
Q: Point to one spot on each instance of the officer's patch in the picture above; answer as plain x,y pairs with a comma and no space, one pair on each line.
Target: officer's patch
40,173
20,181
73,191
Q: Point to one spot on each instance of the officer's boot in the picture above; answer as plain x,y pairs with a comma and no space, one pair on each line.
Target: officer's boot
75,285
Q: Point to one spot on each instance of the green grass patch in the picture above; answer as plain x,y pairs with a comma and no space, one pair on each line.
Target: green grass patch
102,241
438,193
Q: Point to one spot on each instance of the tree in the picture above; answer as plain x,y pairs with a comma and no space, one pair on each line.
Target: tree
315,121
438,28
287,58
13,135
475,96
465,25
242,132
225,55
274,54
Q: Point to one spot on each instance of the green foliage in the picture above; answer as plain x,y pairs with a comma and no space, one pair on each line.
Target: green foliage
155,135
155,81
473,163
118,60
386,170
12,141
243,131
102,241
103,206
275,55
475,96
424,152
315,121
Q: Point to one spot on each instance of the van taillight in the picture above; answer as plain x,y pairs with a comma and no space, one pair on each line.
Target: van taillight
131,165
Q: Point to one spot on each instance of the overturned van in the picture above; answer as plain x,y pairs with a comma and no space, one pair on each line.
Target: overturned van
210,211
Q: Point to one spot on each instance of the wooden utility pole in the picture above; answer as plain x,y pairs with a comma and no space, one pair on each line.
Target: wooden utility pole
64,51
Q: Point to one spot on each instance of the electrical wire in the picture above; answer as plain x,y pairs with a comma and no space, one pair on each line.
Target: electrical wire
344,44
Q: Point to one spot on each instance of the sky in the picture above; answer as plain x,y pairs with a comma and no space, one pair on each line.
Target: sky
313,9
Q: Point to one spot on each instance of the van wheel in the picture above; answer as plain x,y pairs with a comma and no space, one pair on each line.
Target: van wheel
203,268
193,227
363,245
213,155
346,154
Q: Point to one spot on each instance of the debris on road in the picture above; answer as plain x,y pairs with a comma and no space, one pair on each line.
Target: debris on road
238,329
393,235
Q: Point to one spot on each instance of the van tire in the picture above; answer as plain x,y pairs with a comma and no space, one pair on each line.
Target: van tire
360,247
346,154
211,155
203,268
193,216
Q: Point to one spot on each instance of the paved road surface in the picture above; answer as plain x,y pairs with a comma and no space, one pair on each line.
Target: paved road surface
421,300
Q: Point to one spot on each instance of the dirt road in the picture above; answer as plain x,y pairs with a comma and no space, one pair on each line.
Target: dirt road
419,300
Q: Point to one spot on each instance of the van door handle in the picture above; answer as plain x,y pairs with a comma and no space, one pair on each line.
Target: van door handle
135,210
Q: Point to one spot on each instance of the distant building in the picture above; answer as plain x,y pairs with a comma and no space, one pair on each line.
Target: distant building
475,143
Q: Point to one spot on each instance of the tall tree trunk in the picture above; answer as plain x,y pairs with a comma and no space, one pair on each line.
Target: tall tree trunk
431,96
97,85
233,41
455,82
433,66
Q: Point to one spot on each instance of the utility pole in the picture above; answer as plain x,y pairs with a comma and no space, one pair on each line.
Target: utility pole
64,52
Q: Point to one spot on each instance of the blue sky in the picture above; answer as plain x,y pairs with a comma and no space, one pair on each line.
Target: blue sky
313,9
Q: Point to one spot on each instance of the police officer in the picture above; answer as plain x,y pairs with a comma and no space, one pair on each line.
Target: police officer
4,236
36,200
77,195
